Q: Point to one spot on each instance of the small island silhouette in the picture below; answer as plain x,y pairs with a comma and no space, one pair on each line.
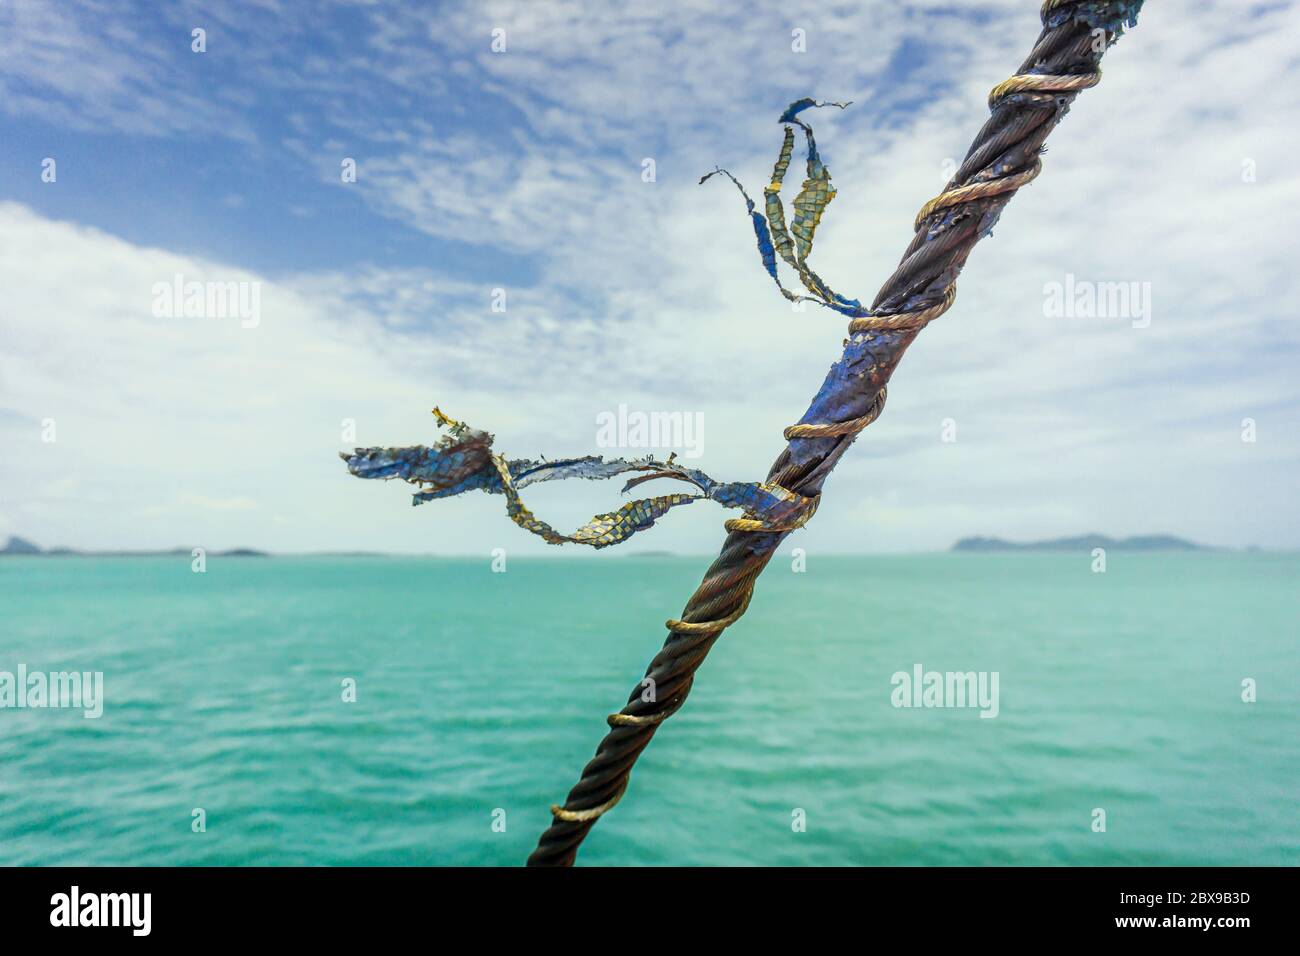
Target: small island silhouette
1083,542
21,546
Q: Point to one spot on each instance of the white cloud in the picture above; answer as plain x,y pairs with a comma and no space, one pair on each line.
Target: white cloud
651,294
88,67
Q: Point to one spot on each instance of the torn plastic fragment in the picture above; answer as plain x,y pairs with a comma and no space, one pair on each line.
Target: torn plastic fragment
462,460
794,243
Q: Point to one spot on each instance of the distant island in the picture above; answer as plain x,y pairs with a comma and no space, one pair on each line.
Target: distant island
23,547
1085,542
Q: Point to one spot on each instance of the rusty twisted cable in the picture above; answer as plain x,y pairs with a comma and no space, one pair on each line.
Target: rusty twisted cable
1003,157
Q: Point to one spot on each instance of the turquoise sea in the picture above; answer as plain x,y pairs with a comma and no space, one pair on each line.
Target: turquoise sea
480,692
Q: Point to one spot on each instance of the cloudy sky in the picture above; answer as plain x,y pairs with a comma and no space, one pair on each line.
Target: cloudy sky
522,169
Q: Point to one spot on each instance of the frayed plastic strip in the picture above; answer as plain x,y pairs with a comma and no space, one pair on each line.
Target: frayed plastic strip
463,460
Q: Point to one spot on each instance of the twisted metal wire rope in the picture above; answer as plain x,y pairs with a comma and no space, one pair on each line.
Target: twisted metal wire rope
1003,158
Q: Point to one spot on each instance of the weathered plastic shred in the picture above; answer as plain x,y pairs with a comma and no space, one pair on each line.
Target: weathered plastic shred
772,201
462,460
794,243
765,251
